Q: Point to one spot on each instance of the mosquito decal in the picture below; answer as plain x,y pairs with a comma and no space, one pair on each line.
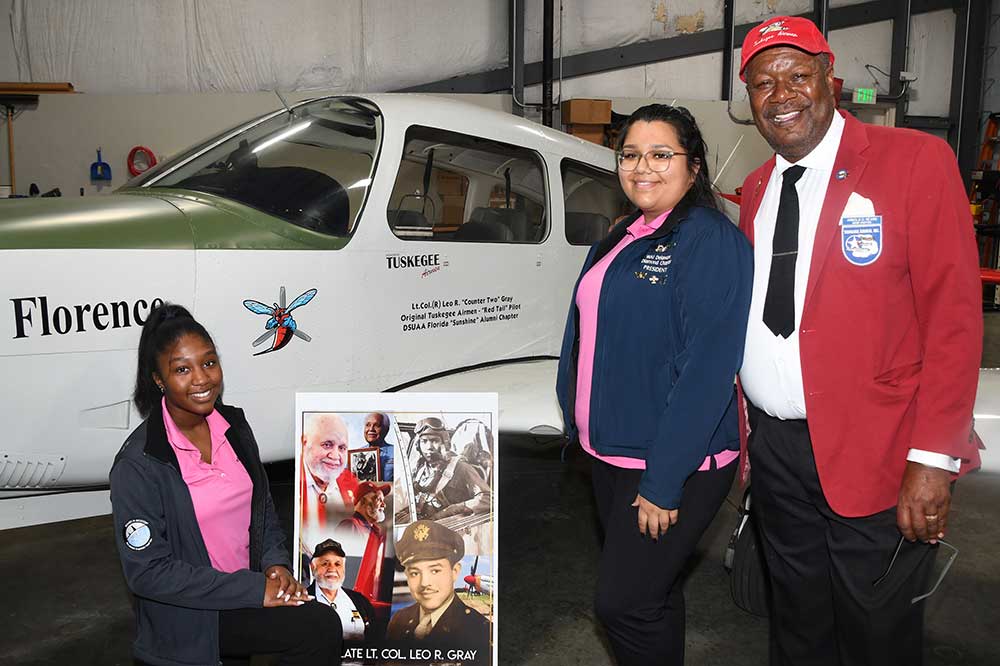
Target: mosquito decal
281,325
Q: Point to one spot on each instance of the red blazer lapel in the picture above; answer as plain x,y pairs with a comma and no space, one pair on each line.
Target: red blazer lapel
751,201
849,161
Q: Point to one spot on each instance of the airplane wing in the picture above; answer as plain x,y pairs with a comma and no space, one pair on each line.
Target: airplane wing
987,414
527,393
730,210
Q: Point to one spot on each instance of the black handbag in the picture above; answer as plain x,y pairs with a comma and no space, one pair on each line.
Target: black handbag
744,559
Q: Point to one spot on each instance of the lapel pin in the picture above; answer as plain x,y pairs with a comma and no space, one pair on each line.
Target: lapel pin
842,174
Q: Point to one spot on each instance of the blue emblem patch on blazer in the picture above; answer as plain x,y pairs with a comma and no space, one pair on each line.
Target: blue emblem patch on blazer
861,239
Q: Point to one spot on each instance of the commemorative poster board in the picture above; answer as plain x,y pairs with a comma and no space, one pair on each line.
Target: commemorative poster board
395,523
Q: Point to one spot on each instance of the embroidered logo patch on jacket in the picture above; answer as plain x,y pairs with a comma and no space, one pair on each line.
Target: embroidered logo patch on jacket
655,264
137,534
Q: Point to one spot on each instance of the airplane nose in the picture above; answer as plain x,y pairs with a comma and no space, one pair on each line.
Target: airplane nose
114,221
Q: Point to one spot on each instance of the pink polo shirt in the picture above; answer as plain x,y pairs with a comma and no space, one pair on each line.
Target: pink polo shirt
220,491
588,294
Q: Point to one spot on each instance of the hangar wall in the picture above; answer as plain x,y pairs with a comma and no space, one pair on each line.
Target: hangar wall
991,81
121,46
113,49
55,144
699,77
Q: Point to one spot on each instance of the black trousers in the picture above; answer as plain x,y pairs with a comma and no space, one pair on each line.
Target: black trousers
306,635
640,598
825,608
309,634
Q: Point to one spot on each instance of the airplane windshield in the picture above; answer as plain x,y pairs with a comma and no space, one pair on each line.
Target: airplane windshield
311,168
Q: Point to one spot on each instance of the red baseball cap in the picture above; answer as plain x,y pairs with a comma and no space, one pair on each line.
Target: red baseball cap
783,31
366,487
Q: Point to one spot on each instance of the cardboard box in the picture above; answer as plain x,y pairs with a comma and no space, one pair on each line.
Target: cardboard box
592,133
452,209
453,201
452,215
586,111
450,183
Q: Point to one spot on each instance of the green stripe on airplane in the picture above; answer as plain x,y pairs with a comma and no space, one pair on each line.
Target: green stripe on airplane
154,219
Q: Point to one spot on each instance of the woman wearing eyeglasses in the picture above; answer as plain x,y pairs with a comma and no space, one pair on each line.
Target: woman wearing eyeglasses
653,342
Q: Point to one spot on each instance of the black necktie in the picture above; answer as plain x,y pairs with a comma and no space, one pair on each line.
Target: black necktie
779,305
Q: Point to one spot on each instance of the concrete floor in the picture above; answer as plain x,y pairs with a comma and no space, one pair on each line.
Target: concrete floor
66,602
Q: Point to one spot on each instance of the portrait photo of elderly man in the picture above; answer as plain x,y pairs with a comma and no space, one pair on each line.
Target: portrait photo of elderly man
376,428
357,616
327,487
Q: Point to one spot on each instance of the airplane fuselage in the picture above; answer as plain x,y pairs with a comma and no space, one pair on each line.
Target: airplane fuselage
392,306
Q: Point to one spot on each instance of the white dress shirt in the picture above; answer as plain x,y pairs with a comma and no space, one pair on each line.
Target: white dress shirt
772,367
311,529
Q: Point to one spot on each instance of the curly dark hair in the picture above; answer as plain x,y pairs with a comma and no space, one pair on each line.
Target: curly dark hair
689,135
165,325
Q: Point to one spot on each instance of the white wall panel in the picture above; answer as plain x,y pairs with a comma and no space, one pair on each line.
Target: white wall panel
587,26
407,43
991,77
629,82
758,10
8,62
123,46
859,46
189,46
930,56
698,77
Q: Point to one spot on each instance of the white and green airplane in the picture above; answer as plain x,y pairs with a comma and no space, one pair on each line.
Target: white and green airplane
360,243
363,243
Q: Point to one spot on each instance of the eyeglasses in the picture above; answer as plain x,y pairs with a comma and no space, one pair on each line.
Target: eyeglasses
947,565
656,160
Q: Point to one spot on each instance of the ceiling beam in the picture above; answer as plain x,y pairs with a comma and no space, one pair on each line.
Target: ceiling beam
660,50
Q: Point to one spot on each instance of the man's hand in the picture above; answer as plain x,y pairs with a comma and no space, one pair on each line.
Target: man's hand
924,500
281,588
653,520
456,509
479,503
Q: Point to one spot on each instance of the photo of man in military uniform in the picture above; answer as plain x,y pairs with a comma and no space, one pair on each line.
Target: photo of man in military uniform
444,483
431,557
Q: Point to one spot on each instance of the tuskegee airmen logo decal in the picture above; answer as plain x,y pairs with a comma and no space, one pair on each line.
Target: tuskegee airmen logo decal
861,239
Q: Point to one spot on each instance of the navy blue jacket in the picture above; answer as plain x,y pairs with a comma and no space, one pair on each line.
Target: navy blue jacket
671,323
177,592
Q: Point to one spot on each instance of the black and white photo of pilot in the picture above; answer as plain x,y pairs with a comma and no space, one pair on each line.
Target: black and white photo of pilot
364,464
448,470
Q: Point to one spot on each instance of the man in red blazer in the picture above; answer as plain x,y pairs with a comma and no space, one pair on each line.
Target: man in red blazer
861,359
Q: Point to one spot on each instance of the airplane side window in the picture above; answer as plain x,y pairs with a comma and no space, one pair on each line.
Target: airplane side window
454,187
311,169
593,201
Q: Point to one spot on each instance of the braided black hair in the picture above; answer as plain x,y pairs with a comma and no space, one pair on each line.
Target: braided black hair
164,326
689,136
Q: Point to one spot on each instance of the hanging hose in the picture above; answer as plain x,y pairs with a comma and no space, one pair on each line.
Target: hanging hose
140,160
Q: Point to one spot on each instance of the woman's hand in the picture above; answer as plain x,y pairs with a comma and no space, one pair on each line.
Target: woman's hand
281,588
653,520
